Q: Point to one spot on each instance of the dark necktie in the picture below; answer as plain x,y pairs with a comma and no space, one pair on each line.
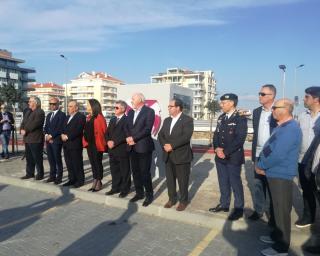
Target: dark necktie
51,117
118,119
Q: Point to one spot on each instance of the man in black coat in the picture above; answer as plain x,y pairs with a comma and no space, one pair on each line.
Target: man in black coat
174,138
32,131
6,126
72,145
53,129
118,154
263,125
140,145
228,140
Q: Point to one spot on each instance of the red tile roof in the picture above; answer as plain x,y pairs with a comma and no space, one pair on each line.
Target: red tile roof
46,85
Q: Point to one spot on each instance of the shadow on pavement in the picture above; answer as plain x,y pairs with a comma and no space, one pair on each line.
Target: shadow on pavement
14,220
104,238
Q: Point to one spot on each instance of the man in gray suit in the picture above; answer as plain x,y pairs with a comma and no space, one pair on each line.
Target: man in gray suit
174,138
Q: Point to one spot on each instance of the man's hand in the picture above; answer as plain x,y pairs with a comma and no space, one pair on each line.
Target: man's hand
23,132
64,137
220,153
167,148
110,144
260,171
130,141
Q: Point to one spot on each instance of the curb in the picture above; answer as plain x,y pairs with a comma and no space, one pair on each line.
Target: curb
217,222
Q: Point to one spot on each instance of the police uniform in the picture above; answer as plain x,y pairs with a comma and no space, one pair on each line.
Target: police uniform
230,134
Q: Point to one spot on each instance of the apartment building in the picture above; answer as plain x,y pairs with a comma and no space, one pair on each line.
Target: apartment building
202,83
45,91
97,85
11,72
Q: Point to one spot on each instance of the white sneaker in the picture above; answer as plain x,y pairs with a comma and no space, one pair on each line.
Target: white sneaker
271,252
266,239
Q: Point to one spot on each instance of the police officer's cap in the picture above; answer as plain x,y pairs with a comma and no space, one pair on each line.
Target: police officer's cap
314,91
229,96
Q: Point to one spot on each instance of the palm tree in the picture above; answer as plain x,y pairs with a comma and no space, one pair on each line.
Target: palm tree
213,108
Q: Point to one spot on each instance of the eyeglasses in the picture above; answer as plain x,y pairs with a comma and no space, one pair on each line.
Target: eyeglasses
116,108
262,94
275,107
171,106
52,103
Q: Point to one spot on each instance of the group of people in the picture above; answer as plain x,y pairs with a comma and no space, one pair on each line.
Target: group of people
127,139
281,148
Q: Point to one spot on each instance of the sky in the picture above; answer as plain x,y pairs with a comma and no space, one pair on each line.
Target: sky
242,41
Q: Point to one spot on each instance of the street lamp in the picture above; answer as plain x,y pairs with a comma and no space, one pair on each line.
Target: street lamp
283,68
296,97
66,83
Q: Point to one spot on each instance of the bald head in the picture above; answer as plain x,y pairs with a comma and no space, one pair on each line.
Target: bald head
137,100
282,109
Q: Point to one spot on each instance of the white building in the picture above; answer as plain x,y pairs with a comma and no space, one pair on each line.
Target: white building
202,84
95,85
45,91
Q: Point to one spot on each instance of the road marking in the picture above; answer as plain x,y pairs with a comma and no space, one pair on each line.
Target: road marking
203,244
39,214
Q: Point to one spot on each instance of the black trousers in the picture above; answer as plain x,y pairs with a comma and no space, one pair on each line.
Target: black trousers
281,195
120,173
95,158
74,163
180,172
140,166
34,158
229,177
308,187
55,159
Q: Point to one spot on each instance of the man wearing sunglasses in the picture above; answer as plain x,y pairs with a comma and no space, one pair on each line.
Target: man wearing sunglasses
309,122
53,130
263,124
278,162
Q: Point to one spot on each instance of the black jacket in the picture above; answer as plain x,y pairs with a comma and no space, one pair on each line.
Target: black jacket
116,133
55,126
32,123
230,135
255,124
179,139
11,120
141,130
74,131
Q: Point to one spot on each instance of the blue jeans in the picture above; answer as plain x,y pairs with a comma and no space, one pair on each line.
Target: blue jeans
5,138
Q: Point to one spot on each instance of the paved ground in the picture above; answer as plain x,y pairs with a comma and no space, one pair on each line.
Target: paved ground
38,223
204,193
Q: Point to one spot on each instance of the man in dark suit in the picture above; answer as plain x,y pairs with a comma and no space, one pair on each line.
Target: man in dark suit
140,145
32,131
263,125
53,129
174,137
228,140
6,126
118,154
72,145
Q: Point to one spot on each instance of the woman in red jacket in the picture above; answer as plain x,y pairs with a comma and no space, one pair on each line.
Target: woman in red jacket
94,141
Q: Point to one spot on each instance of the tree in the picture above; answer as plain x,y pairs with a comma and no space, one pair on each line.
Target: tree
10,95
213,108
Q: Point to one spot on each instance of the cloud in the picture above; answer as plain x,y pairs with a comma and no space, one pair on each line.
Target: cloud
81,25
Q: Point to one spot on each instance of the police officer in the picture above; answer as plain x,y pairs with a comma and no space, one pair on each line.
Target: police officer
228,140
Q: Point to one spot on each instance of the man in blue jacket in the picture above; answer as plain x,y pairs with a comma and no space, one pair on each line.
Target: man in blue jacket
278,161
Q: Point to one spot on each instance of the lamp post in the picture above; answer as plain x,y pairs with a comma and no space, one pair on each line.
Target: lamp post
66,84
283,68
296,97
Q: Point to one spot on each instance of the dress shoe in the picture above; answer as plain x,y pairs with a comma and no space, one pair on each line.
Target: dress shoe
58,181
112,192
50,179
27,177
136,198
123,194
219,208
236,214
147,201
39,177
69,183
255,216
181,207
78,185
169,204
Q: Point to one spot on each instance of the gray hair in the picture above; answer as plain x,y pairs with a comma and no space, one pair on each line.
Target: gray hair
77,104
56,99
122,103
140,95
37,100
271,87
